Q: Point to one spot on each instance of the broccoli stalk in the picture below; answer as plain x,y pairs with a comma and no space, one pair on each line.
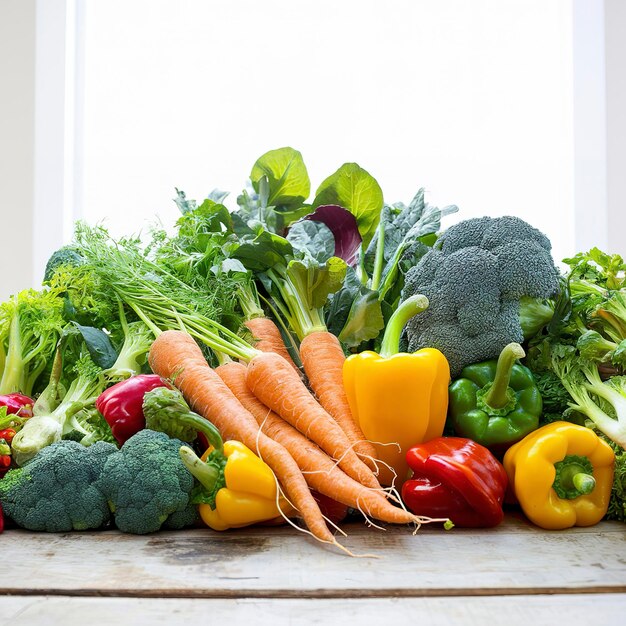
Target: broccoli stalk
137,341
582,380
534,314
209,473
166,411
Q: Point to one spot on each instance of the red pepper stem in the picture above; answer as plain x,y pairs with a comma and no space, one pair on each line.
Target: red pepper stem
407,309
496,397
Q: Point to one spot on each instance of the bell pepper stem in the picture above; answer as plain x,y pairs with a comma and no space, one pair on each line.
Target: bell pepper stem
574,477
497,396
205,473
585,483
407,309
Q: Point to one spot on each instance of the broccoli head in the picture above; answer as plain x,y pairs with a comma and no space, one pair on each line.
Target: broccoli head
67,256
56,491
475,278
147,484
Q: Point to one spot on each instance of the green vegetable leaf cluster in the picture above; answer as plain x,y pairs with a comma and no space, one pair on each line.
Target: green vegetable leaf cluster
371,293
65,408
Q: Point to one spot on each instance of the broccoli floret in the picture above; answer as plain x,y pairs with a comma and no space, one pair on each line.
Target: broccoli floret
56,491
146,482
474,279
67,256
182,519
166,411
471,234
508,229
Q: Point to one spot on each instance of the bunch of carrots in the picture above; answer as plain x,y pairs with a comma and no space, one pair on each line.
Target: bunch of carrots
309,441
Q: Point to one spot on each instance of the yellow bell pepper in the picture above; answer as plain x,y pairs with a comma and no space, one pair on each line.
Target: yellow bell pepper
246,487
561,474
398,399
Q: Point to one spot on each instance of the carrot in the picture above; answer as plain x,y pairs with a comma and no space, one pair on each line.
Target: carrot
273,381
268,338
320,471
323,359
175,355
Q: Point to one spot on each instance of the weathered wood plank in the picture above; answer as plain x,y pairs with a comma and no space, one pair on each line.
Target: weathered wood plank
574,610
512,559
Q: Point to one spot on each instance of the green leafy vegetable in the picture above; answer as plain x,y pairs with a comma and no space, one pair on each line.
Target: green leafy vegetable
75,383
286,175
355,313
314,237
358,311
354,189
617,503
30,326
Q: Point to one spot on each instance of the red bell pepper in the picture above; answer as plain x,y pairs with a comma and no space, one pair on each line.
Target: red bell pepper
17,404
456,478
121,404
5,457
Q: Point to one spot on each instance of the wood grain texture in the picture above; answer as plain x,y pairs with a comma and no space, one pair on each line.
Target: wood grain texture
515,558
573,610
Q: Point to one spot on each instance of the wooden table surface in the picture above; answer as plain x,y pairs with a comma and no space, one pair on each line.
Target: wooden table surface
513,574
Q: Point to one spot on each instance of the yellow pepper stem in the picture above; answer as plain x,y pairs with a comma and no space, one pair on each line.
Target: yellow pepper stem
407,309
585,483
574,477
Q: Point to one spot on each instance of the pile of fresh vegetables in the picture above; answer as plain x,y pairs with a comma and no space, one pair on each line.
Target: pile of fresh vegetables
310,360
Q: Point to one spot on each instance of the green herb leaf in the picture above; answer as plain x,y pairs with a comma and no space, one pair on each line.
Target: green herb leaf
101,351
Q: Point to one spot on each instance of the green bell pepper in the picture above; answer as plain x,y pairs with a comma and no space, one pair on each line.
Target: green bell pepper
496,403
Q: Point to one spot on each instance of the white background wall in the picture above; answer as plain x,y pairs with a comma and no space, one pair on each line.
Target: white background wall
472,100
17,143
480,102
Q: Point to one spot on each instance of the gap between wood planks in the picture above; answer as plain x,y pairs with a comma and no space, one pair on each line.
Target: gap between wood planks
326,594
